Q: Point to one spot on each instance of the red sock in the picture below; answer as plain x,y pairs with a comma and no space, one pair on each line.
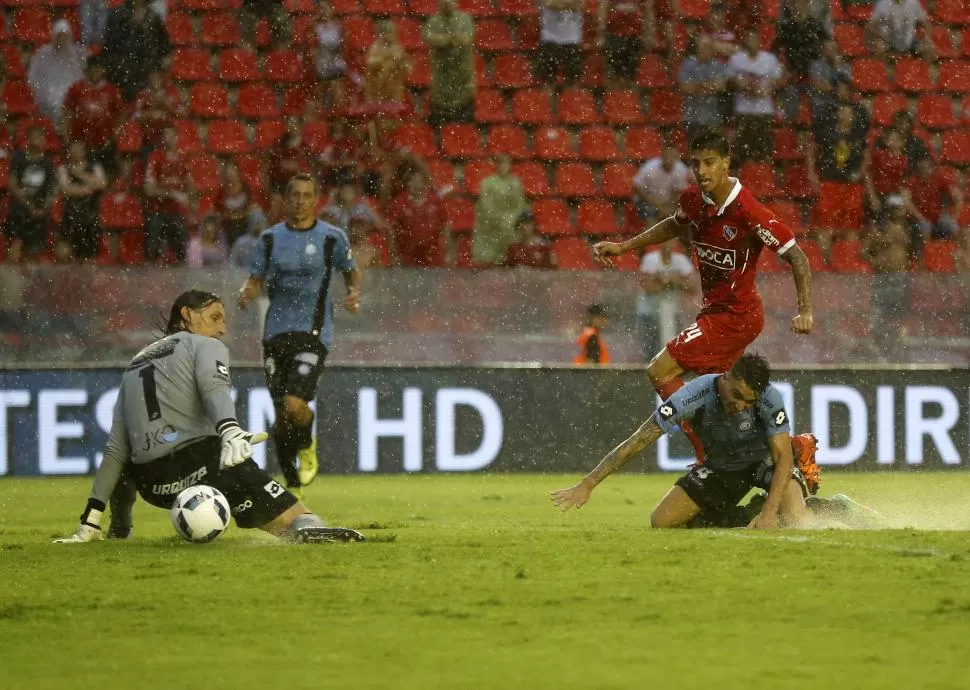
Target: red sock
665,390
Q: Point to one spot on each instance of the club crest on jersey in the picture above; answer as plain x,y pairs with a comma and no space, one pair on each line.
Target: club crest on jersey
745,425
715,256
730,232
311,249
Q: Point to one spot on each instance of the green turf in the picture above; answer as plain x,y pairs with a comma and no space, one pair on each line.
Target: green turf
477,582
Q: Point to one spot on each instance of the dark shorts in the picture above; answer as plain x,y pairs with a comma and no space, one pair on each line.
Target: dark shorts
254,497
293,363
623,56
715,490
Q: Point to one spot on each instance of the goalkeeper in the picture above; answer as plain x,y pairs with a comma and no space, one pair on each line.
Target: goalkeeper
175,426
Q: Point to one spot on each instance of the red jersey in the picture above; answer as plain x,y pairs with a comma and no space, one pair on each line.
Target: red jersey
727,242
157,111
170,174
888,170
930,194
625,18
94,111
418,227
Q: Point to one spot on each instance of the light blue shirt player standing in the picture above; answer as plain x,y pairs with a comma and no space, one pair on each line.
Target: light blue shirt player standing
294,263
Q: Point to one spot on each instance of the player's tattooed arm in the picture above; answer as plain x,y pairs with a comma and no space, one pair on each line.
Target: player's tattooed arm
802,275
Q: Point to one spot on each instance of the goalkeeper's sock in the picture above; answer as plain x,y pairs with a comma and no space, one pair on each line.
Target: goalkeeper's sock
665,390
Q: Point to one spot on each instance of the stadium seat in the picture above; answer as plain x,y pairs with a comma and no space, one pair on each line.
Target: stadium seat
202,5
618,180
954,76
192,64
938,255
220,30
294,101
238,65
796,182
409,33
554,144
552,217
574,254
316,136
418,138
461,141
477,8
227,137
643,143
350,7
847,257
205,173
628,262
180,30
251,170
517,8
760,179
482,78
956,146
492,35
869,75
816,258
32,25
935,112
475,172
665,108
532,106
422,8
461,213
598,144
851,39
885,106
913,76
788,213
577,107
358,34
188,139
268,133
300,6
283,66
121,211
129,138
490,106
420,74
652,74
785,146
951,11
575,180
535,180
257,101
944,42
17,98
209,100
509,139
442,174
383,7
622,107
597,217
512,71
694,9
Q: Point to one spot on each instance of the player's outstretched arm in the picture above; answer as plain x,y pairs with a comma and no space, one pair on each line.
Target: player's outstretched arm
781,456
577,496
802,274
665,230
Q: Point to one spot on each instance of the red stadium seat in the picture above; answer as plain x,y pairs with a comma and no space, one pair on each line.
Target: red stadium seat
418,138
944,42
652,74
180,30
300,6
13,60
32,25
869,75
490,106
594,72
954,76
423,8
913,76
535,180
420,74
508,139
599,144
17,98
220,30
694,9
316,135
622,107
493,35
349,7
209,100
268,133
121,211
815,255
238,65
618,180
129,138
851,39
785,146
951,11
628,262
461,141
205,174
574,254
554,144
643,143
552,217
358,34
575,179
257,101
956,146
283,66
477,8
597,217
938,256
409,33
517,8
442,174
760,179
885,106
251,170
847,257
532,106
294,101
227,137
395,7
482,77
936,112
665,108
461,213
796,182
188,138
203,5
578,107
475,172
512,71
192,64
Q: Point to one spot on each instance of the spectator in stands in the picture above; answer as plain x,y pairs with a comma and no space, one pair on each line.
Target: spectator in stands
94,113
419,226
723,39
799,41
328,62
346,204
933,199
824,75
287,157
916,149
135,42
242,249
94,18
501,201
531,251
338,161
592,348
816,9
884,169
704,83
893,27
235,204
658,184
665,275
387,68
560,42
888,249
756,75
961,257
273,11
81,179
451,35
840,146
53,68
166,204
625,29
207,246
156,109
32,186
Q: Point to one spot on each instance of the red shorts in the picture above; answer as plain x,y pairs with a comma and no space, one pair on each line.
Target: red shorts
716,341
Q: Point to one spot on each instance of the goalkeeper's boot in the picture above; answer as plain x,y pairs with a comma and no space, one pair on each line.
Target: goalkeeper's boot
325,535
309,466
803,449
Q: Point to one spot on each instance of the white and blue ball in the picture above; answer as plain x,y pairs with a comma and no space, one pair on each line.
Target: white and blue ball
200,514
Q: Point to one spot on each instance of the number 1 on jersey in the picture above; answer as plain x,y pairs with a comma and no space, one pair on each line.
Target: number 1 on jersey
147,375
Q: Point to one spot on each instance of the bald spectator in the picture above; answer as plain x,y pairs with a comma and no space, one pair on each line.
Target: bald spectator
54,68
135,42
451,34
893,29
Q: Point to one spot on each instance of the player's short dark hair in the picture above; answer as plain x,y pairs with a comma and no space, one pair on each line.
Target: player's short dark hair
754,370
303,177
196,300
596,310
710,139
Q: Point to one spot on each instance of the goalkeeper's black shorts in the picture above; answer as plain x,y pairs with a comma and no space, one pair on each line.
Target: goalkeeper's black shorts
255,498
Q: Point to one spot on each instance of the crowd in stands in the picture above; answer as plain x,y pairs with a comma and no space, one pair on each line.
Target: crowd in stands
475,133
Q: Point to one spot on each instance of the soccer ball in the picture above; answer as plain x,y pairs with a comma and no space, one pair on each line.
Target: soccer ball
200,514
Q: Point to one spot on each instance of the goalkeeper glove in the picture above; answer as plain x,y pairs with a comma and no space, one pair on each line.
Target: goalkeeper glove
90,527
237,445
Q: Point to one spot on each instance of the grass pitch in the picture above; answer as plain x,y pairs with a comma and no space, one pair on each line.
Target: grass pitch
477,582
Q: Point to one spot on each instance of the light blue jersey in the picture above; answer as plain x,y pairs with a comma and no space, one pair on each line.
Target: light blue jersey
731,442
297,268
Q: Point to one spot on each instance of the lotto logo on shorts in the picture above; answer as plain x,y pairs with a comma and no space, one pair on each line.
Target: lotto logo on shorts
274,489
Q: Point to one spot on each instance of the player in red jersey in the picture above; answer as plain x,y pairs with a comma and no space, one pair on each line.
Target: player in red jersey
727,228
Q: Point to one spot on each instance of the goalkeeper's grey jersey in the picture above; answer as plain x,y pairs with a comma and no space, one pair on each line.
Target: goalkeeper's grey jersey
173,392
